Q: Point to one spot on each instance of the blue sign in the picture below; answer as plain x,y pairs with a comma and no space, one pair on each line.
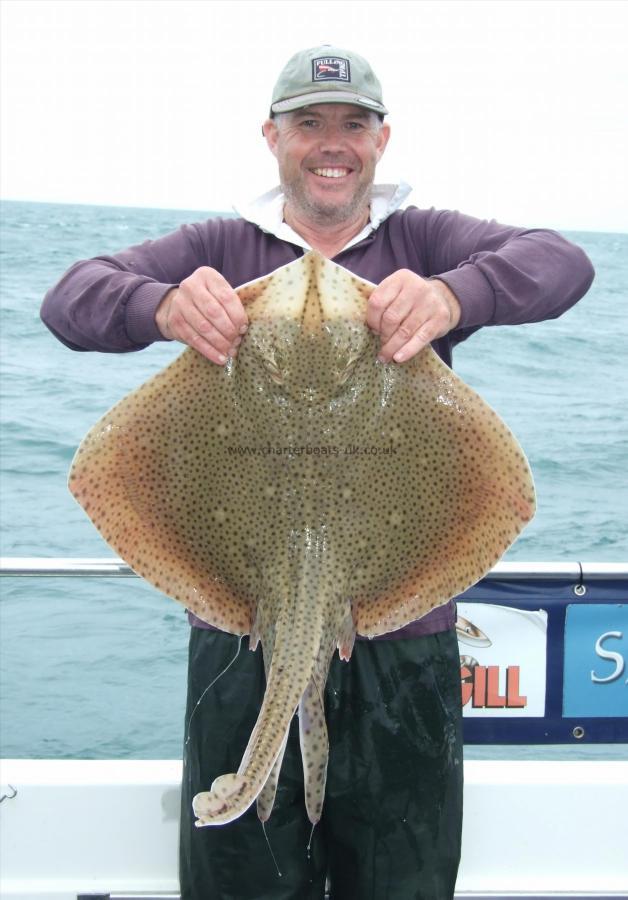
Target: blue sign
596,660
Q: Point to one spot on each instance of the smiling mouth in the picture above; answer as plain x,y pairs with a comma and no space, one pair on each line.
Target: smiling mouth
336,172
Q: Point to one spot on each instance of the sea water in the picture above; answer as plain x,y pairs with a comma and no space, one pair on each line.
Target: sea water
95,668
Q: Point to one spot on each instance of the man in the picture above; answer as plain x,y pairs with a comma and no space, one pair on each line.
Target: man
392,816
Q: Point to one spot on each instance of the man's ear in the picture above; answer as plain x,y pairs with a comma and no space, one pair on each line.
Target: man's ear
271,133
382,140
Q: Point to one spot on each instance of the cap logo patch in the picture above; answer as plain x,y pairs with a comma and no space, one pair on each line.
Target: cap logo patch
331,68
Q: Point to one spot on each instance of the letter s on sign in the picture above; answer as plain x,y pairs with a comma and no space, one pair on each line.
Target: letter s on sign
609,654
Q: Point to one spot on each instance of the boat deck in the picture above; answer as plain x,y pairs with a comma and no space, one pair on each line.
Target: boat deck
532,829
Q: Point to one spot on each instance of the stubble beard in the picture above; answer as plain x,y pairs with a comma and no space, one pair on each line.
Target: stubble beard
322,214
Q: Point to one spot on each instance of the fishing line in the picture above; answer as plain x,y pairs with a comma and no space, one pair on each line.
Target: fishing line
309,843
263,824
211,684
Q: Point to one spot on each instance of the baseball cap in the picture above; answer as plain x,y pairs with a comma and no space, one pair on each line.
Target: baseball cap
327,74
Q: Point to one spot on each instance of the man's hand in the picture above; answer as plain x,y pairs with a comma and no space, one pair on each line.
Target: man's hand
204,312
409,312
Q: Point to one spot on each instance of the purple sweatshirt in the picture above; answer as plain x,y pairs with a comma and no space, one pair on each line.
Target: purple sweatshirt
501,276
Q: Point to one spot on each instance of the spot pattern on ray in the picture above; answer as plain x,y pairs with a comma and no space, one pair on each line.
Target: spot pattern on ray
301,493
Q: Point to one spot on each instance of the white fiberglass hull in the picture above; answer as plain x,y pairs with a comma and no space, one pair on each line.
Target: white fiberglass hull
531,829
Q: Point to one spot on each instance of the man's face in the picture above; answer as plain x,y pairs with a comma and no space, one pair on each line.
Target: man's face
327,155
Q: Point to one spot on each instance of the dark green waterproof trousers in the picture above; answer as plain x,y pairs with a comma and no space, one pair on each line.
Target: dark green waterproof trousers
392,817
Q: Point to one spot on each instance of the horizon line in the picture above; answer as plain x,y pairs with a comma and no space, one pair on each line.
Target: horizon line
232,214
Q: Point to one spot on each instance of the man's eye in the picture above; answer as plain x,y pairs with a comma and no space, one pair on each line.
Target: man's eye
309,123
355,126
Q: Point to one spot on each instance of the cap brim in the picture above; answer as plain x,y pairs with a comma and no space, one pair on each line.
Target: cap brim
328,97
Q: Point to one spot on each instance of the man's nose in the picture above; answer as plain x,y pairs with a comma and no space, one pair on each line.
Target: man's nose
333,139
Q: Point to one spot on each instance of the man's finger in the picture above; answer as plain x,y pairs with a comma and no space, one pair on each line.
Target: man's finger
212,296
186,322
401,349
409,338
412,347
200,305
381,298
215,353
395,316
209,351
201,334
404,332
211,343
228,300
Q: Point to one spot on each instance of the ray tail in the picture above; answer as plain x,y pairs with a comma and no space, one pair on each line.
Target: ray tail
299,628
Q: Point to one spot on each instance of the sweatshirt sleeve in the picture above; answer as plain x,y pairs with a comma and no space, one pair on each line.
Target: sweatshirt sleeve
503,275
108,303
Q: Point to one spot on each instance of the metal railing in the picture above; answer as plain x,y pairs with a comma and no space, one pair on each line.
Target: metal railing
68,567
94,567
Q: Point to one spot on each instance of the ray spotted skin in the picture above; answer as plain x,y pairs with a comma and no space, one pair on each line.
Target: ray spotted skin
302,493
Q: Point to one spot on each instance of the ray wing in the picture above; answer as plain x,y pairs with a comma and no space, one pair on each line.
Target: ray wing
165,476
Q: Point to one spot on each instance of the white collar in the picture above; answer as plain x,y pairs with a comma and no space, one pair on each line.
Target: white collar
267,212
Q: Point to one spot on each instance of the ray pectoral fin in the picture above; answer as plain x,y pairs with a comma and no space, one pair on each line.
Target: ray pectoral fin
483,528
148,475
461,492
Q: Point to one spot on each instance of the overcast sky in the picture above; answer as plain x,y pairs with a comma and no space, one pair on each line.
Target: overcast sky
513,110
